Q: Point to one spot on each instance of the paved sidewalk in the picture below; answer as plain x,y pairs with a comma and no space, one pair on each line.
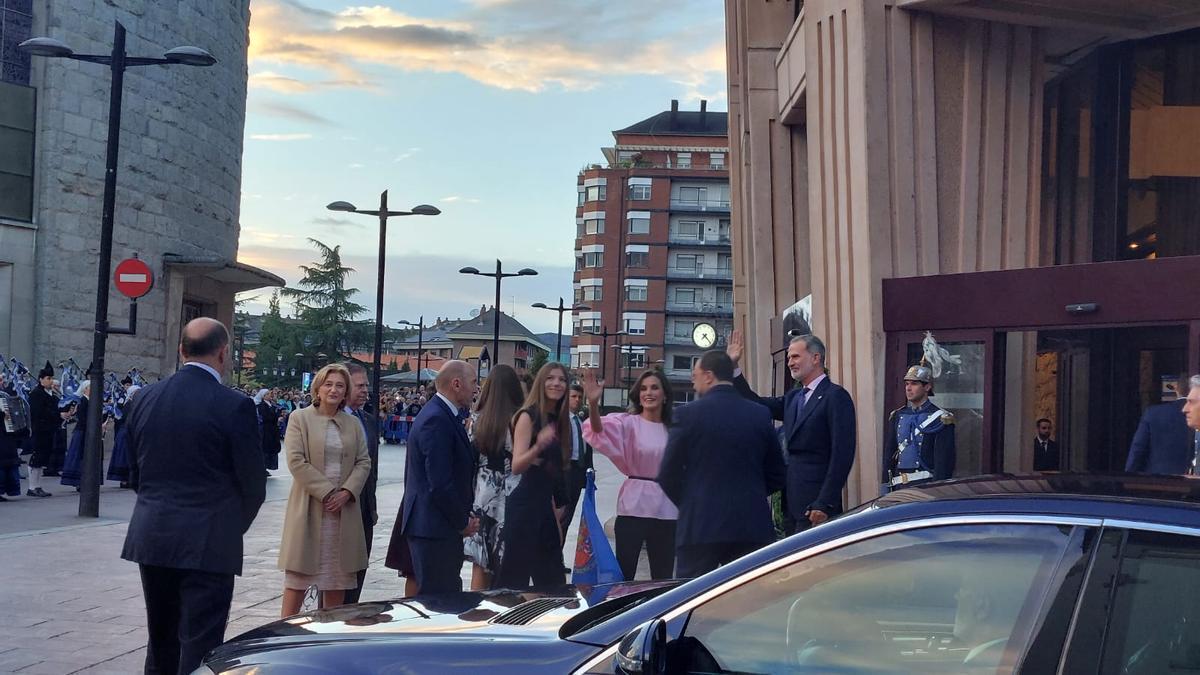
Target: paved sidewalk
71,605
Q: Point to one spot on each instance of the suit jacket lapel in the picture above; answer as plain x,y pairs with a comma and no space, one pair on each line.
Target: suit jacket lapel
813,401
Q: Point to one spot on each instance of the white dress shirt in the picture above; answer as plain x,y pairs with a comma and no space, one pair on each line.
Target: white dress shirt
204,366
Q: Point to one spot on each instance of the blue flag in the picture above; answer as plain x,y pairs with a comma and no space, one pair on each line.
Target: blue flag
595,562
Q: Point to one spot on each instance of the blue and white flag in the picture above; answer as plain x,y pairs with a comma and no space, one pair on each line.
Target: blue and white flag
595,562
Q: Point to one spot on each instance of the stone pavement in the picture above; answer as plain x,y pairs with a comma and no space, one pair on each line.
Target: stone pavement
71,605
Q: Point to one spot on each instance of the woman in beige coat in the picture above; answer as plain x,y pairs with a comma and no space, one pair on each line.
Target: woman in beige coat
323,543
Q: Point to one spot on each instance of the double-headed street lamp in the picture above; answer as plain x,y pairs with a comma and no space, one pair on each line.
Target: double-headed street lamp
499,275
117,62
383,214
561,309
420,324
605,334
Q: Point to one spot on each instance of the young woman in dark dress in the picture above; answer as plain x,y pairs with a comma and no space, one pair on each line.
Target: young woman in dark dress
531,536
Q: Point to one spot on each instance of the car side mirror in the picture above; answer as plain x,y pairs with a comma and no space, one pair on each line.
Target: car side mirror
643,650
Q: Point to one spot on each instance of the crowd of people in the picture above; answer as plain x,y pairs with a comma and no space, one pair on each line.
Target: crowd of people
492,477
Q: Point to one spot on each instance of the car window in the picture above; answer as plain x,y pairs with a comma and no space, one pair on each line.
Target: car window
1154,623
960,599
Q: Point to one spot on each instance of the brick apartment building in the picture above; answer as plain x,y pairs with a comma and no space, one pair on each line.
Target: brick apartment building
652,249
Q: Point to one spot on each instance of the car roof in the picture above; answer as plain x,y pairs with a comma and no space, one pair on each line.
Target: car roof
1178,490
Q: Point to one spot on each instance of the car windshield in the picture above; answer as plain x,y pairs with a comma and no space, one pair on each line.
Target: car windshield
611,603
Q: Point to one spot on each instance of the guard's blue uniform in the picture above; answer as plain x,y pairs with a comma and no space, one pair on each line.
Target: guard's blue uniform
920,439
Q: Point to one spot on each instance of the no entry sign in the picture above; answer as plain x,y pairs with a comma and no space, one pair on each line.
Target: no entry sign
133,278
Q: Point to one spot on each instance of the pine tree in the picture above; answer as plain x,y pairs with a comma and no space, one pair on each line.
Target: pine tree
325,306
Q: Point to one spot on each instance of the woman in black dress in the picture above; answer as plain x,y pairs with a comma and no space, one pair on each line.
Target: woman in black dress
532,539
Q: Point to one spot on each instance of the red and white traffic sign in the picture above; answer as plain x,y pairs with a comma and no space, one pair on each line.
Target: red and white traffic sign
133,278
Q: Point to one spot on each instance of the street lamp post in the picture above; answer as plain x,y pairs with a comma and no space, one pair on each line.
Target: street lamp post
117,61
561,309
383,214
420,324
604,335
498,275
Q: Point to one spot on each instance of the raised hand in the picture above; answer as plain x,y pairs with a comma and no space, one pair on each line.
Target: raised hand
593,389
736,346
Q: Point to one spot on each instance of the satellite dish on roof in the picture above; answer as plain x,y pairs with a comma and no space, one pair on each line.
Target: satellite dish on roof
474,313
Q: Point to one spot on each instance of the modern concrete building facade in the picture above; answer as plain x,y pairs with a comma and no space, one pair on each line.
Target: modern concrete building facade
178,181
652,247
1021,179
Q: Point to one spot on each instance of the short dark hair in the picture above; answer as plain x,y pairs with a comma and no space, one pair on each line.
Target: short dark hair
718,363
208,343
1044,419
577,387
354,367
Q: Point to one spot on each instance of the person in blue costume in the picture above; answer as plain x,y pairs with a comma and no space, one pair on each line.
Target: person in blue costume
919,437
118,464
72,469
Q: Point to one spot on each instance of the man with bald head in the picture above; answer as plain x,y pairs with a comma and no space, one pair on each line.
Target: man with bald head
438,483
199,475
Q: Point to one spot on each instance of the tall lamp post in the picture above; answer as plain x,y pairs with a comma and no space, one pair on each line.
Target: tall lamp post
420,324
383,214
117,61
561,309
499,275
604,335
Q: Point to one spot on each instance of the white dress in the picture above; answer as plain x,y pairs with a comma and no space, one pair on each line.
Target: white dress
330,576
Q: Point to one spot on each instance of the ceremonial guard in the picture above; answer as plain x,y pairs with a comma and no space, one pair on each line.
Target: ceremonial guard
45,419
919,438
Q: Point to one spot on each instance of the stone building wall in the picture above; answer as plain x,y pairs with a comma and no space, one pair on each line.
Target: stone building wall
179,176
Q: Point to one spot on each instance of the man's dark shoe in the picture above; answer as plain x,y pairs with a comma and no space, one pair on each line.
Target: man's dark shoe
42,493
30,493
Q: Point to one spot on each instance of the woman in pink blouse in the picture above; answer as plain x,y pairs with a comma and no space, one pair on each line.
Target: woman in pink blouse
635,442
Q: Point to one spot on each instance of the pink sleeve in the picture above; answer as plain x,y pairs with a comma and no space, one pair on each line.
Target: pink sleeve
611,440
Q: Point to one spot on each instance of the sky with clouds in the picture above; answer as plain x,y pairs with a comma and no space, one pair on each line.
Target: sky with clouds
486,109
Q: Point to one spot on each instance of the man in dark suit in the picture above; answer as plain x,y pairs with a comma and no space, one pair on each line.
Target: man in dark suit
1163,443
360,392
439,482
581,458
200,479
722,461
1045,449
819,430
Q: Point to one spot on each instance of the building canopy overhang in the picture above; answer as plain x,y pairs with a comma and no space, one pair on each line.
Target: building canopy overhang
1116,17
236,276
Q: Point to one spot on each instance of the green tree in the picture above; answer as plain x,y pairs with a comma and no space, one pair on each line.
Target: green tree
325,306
404,367
539,359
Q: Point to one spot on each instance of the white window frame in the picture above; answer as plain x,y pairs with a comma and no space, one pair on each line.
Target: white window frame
683,160
639,193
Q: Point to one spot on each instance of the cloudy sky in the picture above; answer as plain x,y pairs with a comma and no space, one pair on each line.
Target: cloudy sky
486,109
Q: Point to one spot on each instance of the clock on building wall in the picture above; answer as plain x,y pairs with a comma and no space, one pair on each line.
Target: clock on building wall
704,335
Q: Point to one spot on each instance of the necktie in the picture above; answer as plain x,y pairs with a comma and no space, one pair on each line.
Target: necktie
576,430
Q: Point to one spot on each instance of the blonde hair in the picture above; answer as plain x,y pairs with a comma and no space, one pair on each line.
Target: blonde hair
322,375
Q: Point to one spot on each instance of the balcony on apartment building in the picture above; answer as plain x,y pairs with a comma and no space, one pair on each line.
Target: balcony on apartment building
675,237
700,205
700,307
705,273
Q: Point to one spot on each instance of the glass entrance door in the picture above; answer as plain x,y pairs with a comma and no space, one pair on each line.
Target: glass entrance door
965,387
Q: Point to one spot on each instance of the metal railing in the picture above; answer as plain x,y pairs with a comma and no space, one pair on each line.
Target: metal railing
709,308
700,205
699,273
676,238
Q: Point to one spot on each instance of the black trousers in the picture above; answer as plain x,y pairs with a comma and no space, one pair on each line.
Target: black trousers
699,559
532,554
437,564
658,536
354,594
576,482
186,613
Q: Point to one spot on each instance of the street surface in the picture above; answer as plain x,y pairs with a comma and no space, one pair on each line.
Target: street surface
71,605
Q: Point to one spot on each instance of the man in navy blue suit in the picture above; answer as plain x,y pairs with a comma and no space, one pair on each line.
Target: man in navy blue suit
200,479
721,463
819,430
439,482
1163,443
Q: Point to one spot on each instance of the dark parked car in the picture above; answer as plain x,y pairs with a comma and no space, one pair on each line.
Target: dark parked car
1036,573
